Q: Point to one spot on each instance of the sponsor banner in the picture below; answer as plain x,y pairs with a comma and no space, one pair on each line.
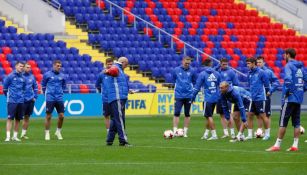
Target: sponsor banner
91,105
75,105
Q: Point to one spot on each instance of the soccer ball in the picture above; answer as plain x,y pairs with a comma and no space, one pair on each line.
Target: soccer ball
179,132
168,134
259,133
113,71
302,130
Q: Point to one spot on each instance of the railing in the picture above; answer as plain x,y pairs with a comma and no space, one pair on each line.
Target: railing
161,31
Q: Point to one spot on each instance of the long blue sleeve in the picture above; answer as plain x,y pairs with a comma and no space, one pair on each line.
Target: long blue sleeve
44,82
235,80
274,83
225,107
35,89
305,81
266,82
288,79
198,85
98,83
241,108
6,83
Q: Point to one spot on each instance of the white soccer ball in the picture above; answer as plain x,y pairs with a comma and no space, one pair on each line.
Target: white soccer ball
259,133
302,129
179,132
168,134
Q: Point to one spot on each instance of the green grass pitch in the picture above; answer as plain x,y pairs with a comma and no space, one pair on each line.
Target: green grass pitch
83,151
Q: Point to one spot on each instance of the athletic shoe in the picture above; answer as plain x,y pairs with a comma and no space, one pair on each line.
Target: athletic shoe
306,141
212,138
47,136
7,139
204,137
126,144
273,149
266,138
233,136
15,139
292,148
185,135
225,136
59,135
109,143
248,137
24,137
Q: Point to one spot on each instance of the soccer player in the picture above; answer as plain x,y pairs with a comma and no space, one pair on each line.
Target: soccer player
30,97
242,100
295,81
117,88
13,87
209,79
228,75
53,85
274,84
101,87
184,77
259,88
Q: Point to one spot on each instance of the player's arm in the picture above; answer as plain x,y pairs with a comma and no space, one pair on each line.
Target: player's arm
6,84
35,88
98,83
287,80
275,83
44,82
266,82
225,107
305,80
199,83
235,80
241,107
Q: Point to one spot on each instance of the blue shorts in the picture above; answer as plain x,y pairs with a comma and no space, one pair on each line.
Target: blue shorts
58,105
209,109
28,107
267,109
186,102
219,109
15,111
292,110
106,109
247,105
258,107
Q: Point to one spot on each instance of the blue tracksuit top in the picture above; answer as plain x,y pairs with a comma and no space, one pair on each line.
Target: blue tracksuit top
14,86
53,85
295,82
210,80
228,75
31,87
102,86
258,84
117,87
184,81
274,82
235,95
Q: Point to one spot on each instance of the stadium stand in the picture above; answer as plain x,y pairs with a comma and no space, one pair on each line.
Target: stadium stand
226,29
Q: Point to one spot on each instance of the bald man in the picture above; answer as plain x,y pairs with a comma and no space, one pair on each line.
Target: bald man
242,100
117,88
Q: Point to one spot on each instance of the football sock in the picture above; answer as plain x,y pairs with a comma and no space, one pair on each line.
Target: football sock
15,134
185,130
278,142
175,129
226,132
206,132
58,130
232,131
108,130
213,133
46,131
250,132
267,132
239,134
23,132
8,134
295,142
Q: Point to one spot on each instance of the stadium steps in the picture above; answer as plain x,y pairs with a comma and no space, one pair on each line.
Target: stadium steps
11,23
80,43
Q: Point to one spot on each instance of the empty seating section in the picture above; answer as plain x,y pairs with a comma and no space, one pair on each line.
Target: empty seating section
39,50
222,29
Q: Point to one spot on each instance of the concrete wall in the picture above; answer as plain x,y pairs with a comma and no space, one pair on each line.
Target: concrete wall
41,18
281,14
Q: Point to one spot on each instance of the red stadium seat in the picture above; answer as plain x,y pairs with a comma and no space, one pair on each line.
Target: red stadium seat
6,50
84,89
2,57
1,89
8,70
39,77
